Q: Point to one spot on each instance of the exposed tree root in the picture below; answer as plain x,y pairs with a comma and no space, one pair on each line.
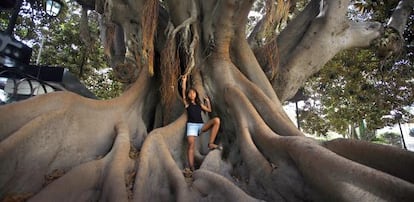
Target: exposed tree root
317,164
102,179
391,160
161,179
39,141
35,150
271,167
213,187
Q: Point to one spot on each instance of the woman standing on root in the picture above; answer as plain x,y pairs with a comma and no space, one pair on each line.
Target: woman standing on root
195,123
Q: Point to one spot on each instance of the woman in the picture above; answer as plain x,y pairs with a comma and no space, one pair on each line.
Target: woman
195,123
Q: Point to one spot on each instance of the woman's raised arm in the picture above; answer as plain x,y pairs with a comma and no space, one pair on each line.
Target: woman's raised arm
206,106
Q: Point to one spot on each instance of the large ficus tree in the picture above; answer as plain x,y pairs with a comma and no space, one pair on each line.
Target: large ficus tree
61,146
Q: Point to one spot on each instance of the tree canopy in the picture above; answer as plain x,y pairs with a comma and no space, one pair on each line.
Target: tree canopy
360,84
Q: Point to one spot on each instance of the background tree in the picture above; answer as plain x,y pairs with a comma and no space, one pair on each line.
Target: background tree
66,45
390,138
355,86
132,147
60,43
361,85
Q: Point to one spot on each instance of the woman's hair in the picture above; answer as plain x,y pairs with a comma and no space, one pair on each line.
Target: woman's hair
197,99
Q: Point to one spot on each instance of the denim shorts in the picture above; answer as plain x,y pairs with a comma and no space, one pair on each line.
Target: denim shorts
193,129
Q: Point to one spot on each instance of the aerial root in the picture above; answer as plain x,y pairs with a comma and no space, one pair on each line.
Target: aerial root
170,71
108,174
192,19
185,26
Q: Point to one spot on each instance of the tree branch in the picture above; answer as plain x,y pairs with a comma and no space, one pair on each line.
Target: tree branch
400,15
325,37
265,30
291,36
259,31
391,43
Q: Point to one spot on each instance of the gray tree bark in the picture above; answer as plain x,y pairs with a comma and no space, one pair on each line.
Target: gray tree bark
62,146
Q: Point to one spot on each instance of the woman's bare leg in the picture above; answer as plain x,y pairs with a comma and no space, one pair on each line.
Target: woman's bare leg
190,151
214,124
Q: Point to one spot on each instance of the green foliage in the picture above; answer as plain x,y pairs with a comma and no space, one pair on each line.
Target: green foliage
311,121
389,138
62,46
356,86
31,14
104,84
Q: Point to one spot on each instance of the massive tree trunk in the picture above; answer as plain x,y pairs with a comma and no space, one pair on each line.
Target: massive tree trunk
62,146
